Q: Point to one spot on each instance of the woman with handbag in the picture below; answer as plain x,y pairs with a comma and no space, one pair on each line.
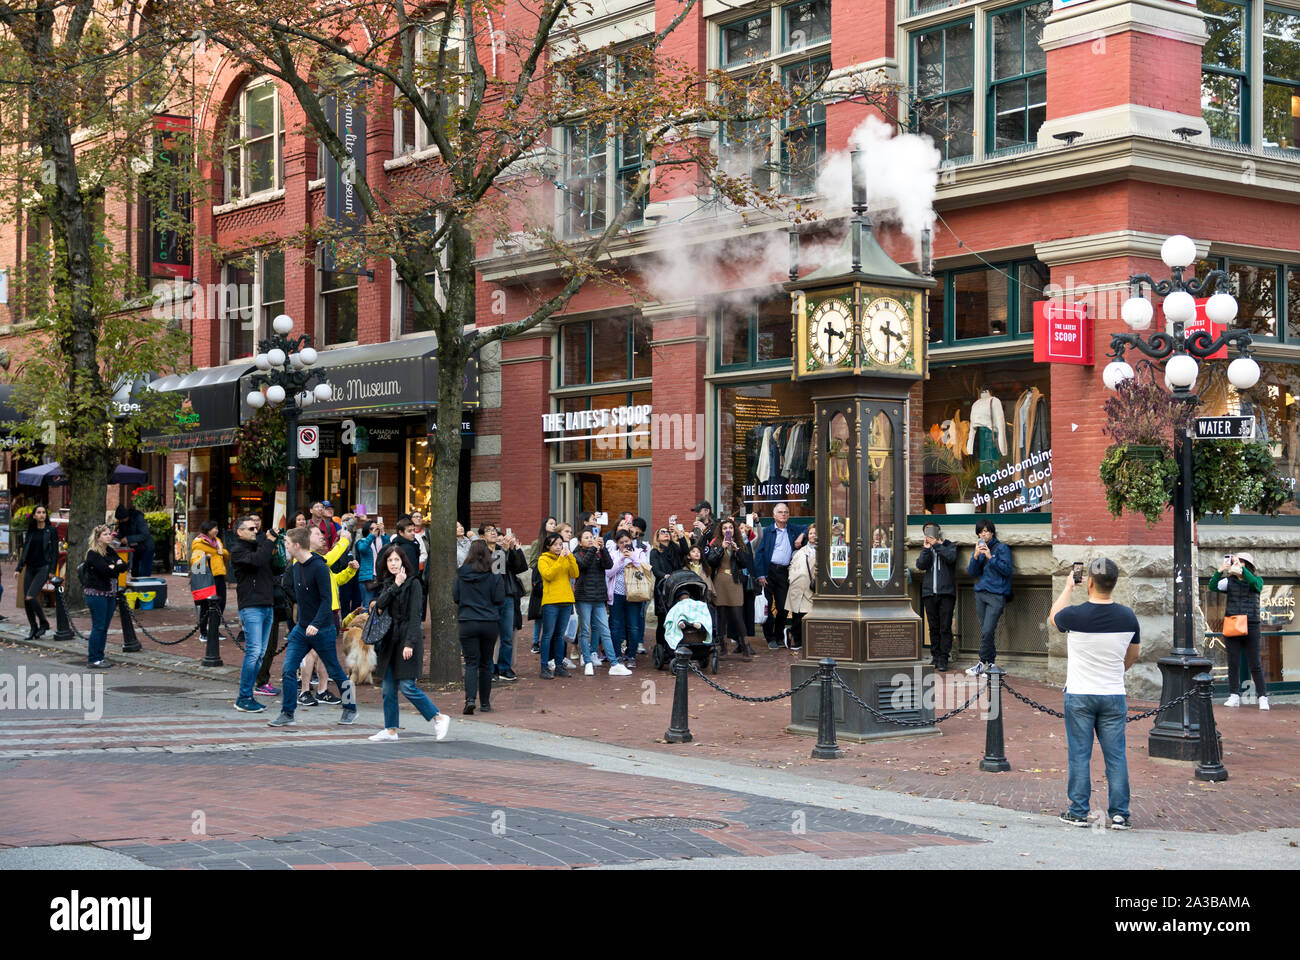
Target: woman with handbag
99,586
40,558
479,594
1237,578
627,588
799,597
733,560
394,627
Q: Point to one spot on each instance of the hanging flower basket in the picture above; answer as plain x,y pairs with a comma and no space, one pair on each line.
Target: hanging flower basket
1145,452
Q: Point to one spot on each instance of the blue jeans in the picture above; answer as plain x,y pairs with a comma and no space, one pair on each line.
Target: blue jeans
506,648
594,615
367,592
323,644
419,699
101,615
142,562
1105,715
555,618
257,631
627,626
988,610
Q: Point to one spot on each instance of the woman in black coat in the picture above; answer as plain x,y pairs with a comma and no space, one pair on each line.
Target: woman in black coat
40,558
668,555
479,594
400,654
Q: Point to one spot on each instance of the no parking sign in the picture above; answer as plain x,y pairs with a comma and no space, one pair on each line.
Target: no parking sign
308,443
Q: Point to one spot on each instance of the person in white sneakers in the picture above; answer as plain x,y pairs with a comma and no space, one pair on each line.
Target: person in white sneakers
1237,578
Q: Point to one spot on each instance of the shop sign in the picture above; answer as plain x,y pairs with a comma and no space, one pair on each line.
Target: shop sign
1016,487
589,421
1277,605
342,203
1202,322
171,255
775,492
1062,333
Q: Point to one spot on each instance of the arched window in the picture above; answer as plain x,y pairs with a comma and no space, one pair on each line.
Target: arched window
255,141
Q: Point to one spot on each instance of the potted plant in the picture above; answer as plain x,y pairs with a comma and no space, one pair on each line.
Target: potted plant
146,499
958,477
1138,471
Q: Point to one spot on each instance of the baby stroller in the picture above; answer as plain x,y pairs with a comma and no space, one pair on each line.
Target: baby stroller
689,619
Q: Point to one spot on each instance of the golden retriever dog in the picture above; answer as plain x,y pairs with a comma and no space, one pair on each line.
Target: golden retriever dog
358,656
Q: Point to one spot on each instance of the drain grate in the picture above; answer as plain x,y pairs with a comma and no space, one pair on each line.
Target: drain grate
678,823
164,691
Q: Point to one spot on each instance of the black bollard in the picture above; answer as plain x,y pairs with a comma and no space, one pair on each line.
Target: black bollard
62,622
679,730
1211,766
827,748
995,760
212,655
130,642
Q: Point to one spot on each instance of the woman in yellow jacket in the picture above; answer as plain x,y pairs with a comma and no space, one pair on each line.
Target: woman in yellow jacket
208,544
557,569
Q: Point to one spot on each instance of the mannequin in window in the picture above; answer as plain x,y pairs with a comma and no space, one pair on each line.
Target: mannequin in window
987,439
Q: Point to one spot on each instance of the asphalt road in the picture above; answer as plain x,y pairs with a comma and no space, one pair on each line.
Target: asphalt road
130,787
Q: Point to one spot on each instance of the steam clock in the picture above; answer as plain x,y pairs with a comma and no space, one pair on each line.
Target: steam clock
859,334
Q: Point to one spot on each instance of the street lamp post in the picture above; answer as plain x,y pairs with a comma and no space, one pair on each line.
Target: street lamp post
284,366
1176,731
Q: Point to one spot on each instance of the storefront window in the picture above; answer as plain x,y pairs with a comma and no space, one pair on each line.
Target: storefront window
623,429
1255,287
988,443
419,475
765,448
994,301
1279,632
753,335
980,304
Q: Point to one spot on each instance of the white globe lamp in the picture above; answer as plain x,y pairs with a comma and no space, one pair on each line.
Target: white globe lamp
282,324
309,356
275,393
1137,312
1178,251
1115,373
1180,307
262,362
323,392
305,399
295,361
256,399
276,356
1243,373
1181,370
1221,308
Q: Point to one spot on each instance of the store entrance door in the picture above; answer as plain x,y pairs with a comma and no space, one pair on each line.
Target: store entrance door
588,492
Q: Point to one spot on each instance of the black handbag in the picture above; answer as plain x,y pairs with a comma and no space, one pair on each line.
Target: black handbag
377,626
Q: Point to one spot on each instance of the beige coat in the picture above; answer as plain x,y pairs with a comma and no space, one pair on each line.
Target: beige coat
800,596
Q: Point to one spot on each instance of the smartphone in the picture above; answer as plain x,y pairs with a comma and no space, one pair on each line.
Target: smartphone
727,536
1227,558
602,519
509,532
361,510
673,520
1078,571
680,528
753,519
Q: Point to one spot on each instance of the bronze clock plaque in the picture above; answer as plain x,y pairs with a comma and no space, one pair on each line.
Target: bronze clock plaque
893,640
828,638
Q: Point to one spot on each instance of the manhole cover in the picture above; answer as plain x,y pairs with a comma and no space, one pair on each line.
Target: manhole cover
146,690
678,823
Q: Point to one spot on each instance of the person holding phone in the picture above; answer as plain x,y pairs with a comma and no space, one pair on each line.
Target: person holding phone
1236,577
731,559
938,567
991,565
627,623
557,570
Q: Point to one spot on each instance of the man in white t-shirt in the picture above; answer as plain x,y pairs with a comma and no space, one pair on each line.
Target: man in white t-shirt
1103,642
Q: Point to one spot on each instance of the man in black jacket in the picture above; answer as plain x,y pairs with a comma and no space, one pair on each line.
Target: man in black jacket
133,528
406,541
251,557
938,566
508,561
315,629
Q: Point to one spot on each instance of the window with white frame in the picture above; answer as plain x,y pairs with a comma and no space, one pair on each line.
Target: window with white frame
600,170
255,141
410,134
790,44
252,297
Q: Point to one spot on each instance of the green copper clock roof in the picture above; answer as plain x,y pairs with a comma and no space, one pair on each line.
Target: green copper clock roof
877,266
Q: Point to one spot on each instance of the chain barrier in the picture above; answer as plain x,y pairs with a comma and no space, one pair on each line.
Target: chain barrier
149,636
737,696
897,721
1146,714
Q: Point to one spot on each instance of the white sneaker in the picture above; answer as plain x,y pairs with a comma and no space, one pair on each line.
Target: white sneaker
976,670
618,670
569,664
384,735
589,670
1234,701
441,723
1263,703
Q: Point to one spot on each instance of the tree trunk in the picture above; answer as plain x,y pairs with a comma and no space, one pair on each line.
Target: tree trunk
88,489
440,569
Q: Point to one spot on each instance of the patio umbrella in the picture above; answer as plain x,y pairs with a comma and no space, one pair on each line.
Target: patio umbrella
124,474
35,476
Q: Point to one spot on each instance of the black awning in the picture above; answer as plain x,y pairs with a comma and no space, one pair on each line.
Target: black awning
394,378
209,413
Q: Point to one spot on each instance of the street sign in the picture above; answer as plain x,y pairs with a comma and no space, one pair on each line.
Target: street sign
308,443
1225,428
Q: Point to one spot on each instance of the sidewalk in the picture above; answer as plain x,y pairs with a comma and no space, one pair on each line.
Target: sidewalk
1261,749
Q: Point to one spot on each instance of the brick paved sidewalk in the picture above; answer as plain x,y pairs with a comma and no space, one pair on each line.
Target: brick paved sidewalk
1262,750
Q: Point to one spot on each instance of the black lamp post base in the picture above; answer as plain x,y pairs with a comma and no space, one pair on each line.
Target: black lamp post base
1177,732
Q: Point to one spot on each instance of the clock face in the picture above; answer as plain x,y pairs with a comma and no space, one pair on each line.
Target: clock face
887,330
830,332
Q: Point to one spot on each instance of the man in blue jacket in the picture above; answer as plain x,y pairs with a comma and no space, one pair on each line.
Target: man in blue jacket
315,629
772,568
991,567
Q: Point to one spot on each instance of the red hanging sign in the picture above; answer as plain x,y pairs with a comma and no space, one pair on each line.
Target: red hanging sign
1202,322
1062,333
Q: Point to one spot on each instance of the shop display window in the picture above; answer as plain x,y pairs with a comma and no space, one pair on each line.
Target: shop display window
615,441
765,448
988,438
419,470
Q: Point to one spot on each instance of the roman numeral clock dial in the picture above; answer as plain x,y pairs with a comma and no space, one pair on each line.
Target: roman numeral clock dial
887,331
830,332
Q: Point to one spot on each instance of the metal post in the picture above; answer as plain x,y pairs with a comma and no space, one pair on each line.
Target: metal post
212,656
995,760
679,726
1211,766
1175,736
62,622
291,471
130,642
827,748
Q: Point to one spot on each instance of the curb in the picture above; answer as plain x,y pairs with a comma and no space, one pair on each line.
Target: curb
185,666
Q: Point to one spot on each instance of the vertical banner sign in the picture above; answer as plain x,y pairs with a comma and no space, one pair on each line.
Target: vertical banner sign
170,247
342,205
1062,333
